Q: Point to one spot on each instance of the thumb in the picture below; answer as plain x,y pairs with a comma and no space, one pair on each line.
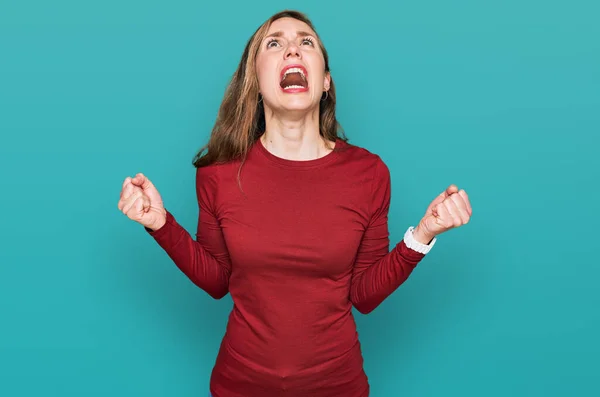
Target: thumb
450,190
142,181
442,196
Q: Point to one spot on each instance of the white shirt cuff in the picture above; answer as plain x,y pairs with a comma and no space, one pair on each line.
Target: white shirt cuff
413,244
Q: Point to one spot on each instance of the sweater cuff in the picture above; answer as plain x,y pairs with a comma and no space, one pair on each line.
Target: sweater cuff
413,244
164,229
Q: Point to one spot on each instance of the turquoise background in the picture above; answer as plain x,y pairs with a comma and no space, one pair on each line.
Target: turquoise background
501,98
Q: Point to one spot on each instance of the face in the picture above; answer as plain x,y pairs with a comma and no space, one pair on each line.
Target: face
290,67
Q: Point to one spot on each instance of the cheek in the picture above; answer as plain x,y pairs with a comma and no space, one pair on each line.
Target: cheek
318,68
265,75
317,80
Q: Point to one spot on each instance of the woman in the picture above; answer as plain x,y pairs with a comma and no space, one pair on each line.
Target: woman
292,223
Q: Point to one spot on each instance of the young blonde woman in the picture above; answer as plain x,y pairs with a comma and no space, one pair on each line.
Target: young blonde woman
293,223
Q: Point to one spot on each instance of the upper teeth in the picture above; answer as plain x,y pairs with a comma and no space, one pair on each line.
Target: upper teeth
294,70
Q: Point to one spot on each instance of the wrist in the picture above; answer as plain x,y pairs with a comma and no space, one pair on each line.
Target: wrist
422,236
160,222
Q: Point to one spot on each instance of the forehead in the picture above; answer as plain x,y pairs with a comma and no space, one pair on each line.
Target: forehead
289,26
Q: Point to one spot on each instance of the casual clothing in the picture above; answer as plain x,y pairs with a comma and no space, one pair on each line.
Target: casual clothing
297,244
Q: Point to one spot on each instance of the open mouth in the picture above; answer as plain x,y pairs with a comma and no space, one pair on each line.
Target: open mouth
293,79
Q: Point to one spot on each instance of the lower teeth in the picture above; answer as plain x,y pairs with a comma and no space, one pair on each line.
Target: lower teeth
293,86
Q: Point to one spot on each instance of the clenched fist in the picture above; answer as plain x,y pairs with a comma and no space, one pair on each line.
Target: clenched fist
449,210
141,202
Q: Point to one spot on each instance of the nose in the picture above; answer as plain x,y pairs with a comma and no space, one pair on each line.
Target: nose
292,51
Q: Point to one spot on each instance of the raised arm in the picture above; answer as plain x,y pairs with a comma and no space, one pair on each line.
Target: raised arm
378,271
205,260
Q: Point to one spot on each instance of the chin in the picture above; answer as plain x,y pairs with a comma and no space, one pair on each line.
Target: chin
296,101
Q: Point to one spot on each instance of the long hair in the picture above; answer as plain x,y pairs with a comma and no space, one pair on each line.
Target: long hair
241,119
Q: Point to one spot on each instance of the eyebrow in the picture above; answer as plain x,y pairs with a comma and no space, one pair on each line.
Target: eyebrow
298,33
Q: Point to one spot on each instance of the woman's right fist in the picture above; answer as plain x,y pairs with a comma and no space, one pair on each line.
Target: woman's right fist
141,202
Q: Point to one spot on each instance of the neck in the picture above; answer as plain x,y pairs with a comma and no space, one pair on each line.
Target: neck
294,138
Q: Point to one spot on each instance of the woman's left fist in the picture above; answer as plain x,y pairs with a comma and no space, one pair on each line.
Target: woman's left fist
449,210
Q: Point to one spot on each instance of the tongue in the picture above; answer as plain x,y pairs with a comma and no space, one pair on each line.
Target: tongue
293,79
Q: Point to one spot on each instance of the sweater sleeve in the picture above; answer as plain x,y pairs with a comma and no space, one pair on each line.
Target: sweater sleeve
205,260
378,271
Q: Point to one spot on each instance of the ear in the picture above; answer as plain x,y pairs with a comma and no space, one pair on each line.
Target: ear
327,81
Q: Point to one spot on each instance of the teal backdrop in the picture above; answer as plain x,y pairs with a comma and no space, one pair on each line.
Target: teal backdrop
501,98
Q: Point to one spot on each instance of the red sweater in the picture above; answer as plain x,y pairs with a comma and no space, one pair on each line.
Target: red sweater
296,247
